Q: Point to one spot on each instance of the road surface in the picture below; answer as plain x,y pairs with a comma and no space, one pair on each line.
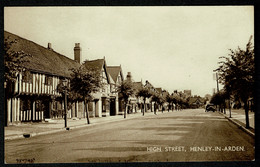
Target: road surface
187,135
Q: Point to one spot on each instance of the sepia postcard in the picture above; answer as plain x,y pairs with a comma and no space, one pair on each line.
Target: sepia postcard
103,84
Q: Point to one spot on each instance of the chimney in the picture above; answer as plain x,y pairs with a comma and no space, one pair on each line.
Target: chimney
49,46
77,52
129,76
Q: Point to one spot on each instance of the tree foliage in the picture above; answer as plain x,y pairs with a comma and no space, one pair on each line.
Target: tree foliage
219,97
157,98
13,60
236,73
125,90
145,93
85,81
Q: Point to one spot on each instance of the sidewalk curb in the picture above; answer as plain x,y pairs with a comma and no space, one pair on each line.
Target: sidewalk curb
63,129
239,126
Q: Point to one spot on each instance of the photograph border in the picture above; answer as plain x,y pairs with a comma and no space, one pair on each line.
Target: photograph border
71,3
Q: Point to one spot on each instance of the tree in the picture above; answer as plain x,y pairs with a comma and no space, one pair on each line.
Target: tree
169,100
236,73
145,93
85,81
220,98
13,65
13,62
156,98
72,96
125,90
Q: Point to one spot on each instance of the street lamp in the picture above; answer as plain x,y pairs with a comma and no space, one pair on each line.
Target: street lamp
65,81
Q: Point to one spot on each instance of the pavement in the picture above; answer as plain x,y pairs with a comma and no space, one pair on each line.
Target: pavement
31,129
42,128
238,118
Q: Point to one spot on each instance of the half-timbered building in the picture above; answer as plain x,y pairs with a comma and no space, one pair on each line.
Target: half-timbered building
34,95
116,102
100,106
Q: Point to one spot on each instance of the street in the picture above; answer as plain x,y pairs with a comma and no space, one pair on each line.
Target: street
187,135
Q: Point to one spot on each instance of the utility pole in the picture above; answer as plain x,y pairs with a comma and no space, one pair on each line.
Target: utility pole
217,81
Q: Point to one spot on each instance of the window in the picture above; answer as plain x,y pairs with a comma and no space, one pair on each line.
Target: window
48,80
27,76
25,104
119,79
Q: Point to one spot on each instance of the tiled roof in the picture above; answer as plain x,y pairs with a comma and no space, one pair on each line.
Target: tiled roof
111,79
159,90
148,84
195,100
114,71
97,64
138,85
43,60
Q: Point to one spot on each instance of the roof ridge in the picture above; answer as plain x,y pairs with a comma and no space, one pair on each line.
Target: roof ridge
40,45
113,66
94,60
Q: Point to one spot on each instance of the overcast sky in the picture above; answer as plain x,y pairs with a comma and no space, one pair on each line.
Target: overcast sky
175,48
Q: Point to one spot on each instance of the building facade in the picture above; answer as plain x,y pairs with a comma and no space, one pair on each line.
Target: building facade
34,95
100,105
116,102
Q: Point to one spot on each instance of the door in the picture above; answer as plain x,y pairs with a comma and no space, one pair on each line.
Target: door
112,106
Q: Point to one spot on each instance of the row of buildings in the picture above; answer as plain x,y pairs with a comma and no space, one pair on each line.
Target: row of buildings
34,95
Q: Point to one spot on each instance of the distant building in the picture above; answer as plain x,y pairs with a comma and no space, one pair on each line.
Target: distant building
187,92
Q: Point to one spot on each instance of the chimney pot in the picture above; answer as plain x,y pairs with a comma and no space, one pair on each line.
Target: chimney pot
77,44
49,46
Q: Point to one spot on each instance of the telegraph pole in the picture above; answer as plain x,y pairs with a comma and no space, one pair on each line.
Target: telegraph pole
217,81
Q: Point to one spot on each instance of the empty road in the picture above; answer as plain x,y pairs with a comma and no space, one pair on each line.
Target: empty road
187,135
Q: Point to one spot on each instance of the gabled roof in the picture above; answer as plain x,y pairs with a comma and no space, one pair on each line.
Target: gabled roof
158,90
114,71
42,60
97,64
148,84
195,100
111,79
138,85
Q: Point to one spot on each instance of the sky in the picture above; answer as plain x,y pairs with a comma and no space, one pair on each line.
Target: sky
174,47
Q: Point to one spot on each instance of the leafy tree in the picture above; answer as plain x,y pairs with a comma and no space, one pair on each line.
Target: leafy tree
161,101
126,89
13,63
220,98
156,98
145,93
176,100
181,102
236,73
72,96
85,81
169,100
